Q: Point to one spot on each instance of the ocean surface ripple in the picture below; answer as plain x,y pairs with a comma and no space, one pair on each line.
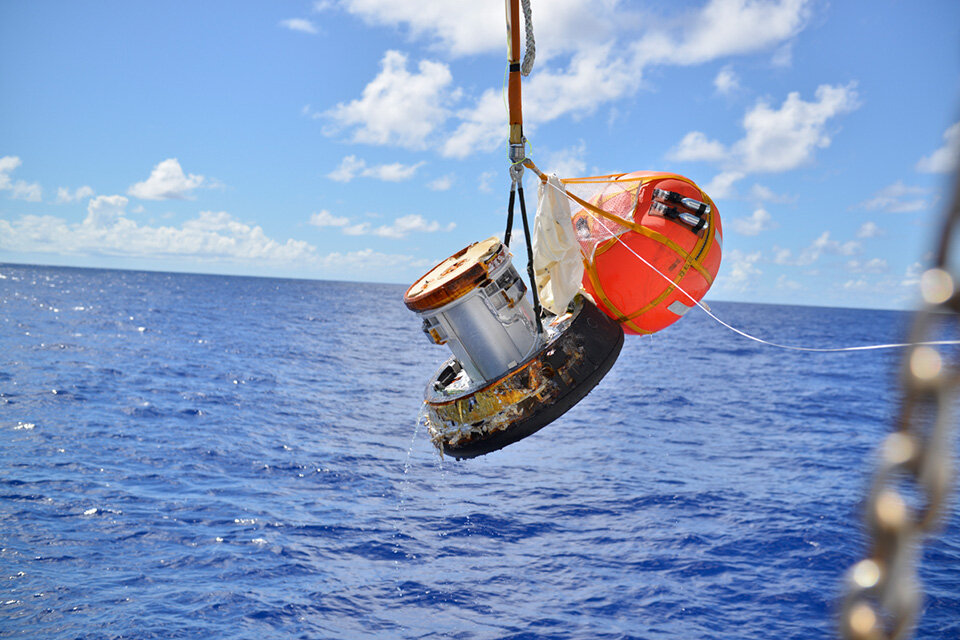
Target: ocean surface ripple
190,456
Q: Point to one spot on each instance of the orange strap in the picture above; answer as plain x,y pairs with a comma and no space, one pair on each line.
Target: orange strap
513,85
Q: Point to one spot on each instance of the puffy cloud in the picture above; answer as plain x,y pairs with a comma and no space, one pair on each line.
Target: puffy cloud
212,235
726,81
874,265
403,108
758,221
775,140
65,195
465,27
722,184
167,181
299,24
760,193
367,260
944,159
785,138
400,227
740,270
352,166
19,190
398,107
483,182
897,198
326,219
442,183
695,146
104,211
569,162
825,245
911,278
723,28
786,284
591,79
869,230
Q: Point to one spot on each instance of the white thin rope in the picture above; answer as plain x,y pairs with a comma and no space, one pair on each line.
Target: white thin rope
897,345
530,53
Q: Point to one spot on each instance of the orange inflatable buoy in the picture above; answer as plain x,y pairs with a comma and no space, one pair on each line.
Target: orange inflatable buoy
663,217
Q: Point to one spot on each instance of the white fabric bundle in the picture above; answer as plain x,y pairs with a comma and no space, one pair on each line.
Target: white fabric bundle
557,264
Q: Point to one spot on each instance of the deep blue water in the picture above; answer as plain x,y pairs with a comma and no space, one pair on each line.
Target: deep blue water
187,456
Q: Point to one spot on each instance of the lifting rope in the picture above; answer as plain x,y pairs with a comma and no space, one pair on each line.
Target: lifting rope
517,148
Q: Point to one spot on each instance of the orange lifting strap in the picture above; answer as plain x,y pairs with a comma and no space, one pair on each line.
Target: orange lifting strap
513,85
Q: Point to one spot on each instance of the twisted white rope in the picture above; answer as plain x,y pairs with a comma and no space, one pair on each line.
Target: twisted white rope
530,53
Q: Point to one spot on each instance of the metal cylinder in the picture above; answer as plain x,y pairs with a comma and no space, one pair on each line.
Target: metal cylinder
475,303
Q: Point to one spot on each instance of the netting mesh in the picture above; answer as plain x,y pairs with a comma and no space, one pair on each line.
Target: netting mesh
616,198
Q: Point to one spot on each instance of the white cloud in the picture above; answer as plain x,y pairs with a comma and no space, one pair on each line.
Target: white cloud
404,109
869,230
65,195
352,166
786,284
740,270
758,221
783,56
911,278
326,219
167,181
7,164
19,190
897,198
726,81
874,265
400,227
722,184
592,78
408,224
760,193
944,159
723,28
782,255
825,245
695,146
786,138
349,167
212,235
775,140
104,211
398,107
368,260
299,24
465,27
567,163
442,183
483,183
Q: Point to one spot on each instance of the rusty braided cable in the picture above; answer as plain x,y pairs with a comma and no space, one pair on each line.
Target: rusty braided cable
882,596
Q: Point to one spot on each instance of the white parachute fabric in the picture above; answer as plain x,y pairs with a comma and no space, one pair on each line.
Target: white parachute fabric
557,264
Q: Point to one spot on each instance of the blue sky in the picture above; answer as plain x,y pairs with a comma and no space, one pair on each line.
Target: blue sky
364,139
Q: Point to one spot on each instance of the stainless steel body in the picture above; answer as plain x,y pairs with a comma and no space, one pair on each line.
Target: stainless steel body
490,329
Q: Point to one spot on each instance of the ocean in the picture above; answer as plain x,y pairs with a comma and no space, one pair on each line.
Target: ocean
194,456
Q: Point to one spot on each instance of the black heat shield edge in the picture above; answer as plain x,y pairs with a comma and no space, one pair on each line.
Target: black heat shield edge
602,341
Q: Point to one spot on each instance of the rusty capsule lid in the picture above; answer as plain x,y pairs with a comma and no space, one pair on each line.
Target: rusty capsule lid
456,276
